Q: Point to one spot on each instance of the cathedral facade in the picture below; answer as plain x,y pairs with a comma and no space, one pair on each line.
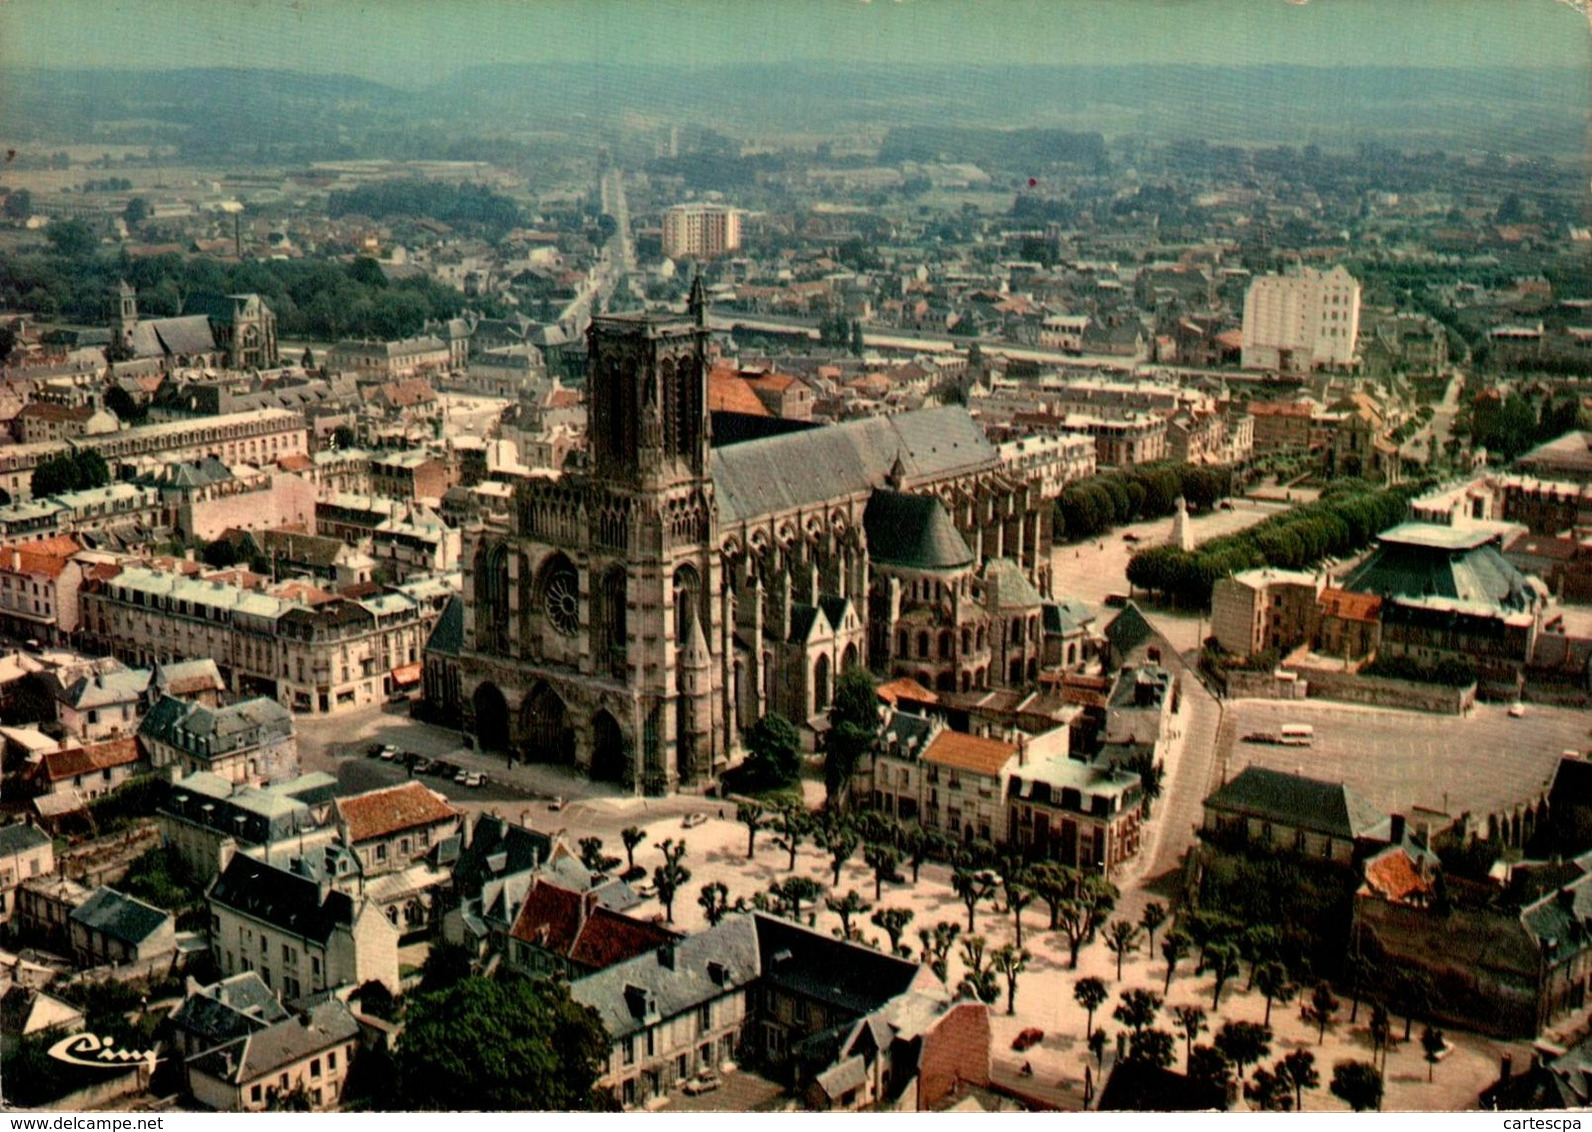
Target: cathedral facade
632,616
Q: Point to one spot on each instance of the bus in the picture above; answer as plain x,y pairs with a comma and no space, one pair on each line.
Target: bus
1297,735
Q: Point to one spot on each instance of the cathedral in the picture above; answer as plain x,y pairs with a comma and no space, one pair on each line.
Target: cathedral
224,331
634,614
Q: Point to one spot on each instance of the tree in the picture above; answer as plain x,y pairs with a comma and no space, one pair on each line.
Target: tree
937,943
1211,1071
1151,920
1010,961
344,438
791,825
922,845
846,907
593,857
1138,1009
853,726
774,749
221,554
117,400
1299,1069
1052,882
841,840
79,470
1432,1044
512,1044
1191,1024
671,876
1097,1046
1122,940
136,212
1174,946
715,901
19,204
750,814
1221,959
1244,1043
445,964
376,1000
1272,981
632,836
1090,993
1260,945
71,239
1152,1047
1269,1092
980,979
1076,923
1014,879
893,922
791,893
883,860
973,887
1357,1084
307,361
1320,1009
1381,1031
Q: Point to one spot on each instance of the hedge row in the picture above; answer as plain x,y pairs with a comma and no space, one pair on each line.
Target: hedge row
1148,491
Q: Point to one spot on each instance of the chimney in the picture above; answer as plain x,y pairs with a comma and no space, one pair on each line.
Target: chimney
666,955
588,905
469,829
1398,829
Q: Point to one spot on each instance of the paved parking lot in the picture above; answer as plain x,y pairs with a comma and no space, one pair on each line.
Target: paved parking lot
1479,764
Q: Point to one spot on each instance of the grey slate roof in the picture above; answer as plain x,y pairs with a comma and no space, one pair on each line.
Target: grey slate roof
120,916
229,1009
1403,565
447,637
1012,585
913,531
1329,808
329,1024
215,731
800,469
1128,630
1561,921
1066,617
19,837
188,334
290,903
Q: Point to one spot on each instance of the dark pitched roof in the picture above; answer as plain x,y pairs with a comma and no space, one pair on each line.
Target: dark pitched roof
1405,566
1128,630
328,1024
229,1009
1329,808
913,531
20,837
844,975
120,916
497,848
447,637
779,473
551,917
291,903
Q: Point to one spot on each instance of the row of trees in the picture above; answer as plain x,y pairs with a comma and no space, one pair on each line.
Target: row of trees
311,298
1148,491
471,207
1341,522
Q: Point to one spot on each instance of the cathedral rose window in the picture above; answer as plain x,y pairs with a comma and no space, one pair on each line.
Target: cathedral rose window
561,599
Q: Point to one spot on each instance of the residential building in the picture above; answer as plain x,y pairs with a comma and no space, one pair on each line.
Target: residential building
1301,322
1085,815
390,828
404,357
223,1012
39,586
1273,810
564,934
26,852
306,1055
112,929
1261,609
250,743
86,773
206,818
700,231
44,908
303,936
410,475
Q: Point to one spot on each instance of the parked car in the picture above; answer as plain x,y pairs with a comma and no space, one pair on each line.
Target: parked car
475,778
462,777
421,766
1116,601
704,1082
1129,536
647,891
388,753
443,769
1516,710
693,820
1028,1038
556,804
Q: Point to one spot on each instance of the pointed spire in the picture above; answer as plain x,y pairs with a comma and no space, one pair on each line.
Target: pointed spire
897,473
698,305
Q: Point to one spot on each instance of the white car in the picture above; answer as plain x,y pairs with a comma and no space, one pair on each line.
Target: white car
475,778
388,753
1516,710
462,777
693,820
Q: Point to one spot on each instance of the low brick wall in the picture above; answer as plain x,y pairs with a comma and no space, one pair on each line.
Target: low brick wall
1380,691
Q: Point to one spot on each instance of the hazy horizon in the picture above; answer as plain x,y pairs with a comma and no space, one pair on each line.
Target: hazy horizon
412,43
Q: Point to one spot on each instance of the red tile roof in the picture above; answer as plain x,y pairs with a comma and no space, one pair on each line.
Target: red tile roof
728,392
552,918
73,761
46,557
905,688
969,752
381,813
1393,876
1349,606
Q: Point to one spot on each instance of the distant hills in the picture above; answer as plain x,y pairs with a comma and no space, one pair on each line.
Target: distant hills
204,109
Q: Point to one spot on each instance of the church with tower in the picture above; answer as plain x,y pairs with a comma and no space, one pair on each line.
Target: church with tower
633,615
219,331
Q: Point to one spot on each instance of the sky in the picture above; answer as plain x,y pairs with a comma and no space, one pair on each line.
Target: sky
413,43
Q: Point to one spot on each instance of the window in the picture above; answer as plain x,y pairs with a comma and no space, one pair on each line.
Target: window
381,852
627,1051
704,1018
315,1067
331,1062
254,1094
651,1045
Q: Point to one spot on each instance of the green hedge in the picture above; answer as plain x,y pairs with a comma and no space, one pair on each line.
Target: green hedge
1148,491
1341,522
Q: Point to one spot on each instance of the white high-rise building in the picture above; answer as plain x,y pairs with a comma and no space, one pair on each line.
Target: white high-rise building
1295,323
700,231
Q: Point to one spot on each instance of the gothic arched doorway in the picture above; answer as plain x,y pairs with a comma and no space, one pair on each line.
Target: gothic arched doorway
608,761
548,735
491,718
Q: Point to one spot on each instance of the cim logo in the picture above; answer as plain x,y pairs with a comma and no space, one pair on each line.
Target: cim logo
94,1052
